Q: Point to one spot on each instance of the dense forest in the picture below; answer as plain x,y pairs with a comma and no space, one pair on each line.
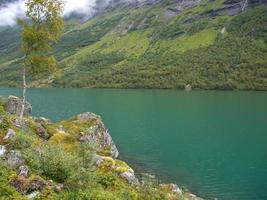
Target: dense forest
219,44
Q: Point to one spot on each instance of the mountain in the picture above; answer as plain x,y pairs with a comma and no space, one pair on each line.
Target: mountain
209,44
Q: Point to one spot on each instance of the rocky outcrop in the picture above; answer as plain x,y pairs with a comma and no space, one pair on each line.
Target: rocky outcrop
87,128
14,105
180,6
41,131
249,2
97,135
129,176
234,7
116,166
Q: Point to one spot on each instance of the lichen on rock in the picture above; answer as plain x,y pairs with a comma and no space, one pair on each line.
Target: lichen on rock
87,128
117,166
14,104
14,159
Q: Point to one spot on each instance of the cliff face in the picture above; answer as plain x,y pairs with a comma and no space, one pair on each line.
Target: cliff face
71,159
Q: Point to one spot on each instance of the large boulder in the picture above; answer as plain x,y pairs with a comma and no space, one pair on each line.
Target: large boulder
41,131
14,159
14,105
97,135
86,128
130,177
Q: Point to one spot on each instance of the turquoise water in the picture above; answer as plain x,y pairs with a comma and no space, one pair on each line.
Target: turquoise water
214,143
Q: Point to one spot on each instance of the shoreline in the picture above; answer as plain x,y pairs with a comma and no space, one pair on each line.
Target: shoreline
106,153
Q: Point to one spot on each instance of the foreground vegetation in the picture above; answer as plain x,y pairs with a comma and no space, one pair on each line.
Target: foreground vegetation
62,165
154,46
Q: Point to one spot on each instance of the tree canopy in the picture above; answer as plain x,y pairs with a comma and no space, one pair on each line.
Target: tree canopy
41,30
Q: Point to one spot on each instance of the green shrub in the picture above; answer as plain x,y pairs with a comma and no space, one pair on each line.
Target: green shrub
6,190
52,161
107,180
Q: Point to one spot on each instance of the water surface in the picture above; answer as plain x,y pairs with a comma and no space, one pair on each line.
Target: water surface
214,143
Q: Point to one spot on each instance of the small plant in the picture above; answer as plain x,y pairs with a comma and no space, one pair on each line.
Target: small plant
107,180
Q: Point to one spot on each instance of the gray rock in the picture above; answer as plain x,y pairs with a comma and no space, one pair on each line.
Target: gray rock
193,197
230,10
14,105
171,188
181,5
41,131
175,188
59,187
170,13
97,159
188,88
2,151
234,7
42,120
249,3
32,195
97,135
10,134
14,159
256,2
23,171
87,116
130,177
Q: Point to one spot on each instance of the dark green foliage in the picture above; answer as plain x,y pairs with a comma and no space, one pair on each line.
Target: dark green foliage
9,44
252,23
52,162
107,180
78,38
173,57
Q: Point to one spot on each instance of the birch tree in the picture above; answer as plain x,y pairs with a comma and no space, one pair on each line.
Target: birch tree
41,29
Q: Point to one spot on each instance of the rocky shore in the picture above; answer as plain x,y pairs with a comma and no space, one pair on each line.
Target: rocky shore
87,131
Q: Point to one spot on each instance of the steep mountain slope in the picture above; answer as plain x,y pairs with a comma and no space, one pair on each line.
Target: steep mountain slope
210,44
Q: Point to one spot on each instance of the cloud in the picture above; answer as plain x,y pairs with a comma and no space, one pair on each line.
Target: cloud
10,12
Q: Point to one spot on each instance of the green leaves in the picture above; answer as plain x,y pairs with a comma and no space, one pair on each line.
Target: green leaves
40,32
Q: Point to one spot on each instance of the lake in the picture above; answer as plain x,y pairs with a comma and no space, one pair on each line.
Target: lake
212,142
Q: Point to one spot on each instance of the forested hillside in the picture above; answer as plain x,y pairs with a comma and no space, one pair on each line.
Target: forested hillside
210,44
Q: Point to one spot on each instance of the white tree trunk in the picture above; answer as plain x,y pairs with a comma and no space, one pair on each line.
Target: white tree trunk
23,94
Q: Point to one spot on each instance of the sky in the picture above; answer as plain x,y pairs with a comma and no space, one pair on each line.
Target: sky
11,11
